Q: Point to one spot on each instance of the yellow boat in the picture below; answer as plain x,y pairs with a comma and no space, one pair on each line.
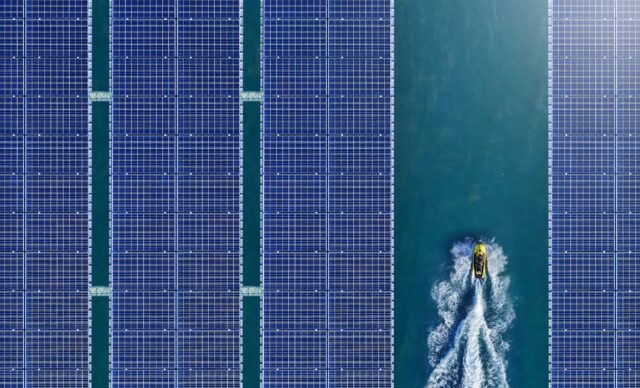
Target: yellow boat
479,262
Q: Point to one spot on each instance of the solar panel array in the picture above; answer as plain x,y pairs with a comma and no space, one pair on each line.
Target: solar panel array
327,178
44,194
175,193
594,193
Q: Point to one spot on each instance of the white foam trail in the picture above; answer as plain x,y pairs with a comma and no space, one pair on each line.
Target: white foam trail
467,348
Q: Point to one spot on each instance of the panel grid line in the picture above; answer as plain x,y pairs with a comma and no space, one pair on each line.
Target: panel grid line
615,190
176,209
24,210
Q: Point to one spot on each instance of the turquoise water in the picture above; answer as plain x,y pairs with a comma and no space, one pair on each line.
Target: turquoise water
471,160
100,193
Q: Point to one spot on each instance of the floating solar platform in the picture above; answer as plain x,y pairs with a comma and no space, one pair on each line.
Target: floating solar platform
327,190
45,200
176,196
594,195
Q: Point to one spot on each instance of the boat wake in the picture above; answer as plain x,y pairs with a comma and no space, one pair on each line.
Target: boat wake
467,348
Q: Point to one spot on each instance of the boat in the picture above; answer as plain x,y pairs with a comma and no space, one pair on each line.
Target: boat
479,261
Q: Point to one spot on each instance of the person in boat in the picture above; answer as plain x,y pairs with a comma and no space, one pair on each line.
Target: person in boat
480,261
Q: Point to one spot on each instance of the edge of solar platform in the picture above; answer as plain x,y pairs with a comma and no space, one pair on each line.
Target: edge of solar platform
99,291
246,96
251,291
251,96
100,96
245,291
549,192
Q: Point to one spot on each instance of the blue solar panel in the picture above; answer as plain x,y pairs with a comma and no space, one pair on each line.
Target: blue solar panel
202,194
346,38
573,378
56,9
143,193
43,379
44,195
628,310
56,38
153,77
584,115
296,271
628,378
11,276
583,310
293,9
57,76
210,271
311,378
295,115
12,9
12,351
627,348
360,115
11,116
361,9
12,32
11,191
59,351
594,223
56,116
208,38
209,116
310,39
57,271
12,76
176,193
218,9
144,378
367,378
207,310
58,311
12,304
143,116
327,180
288,77
359,76
144,38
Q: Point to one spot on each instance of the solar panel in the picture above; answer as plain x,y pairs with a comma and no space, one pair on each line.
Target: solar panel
327,182
593,217
44,194
176,193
